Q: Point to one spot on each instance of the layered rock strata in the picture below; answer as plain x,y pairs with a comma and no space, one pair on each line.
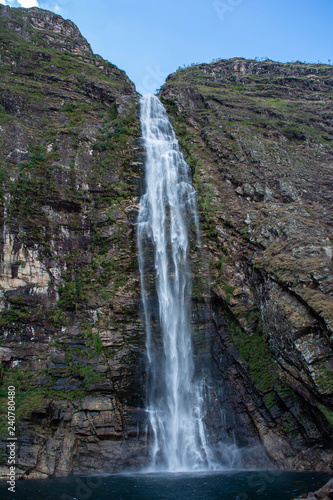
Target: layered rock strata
258,137
72,341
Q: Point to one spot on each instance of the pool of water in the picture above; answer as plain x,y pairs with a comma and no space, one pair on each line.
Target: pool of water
236,485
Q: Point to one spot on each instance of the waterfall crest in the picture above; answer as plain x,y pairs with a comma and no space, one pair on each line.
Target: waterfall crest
167,211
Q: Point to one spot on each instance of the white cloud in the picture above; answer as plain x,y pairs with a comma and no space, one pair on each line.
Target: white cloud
28,3
43,4
22,3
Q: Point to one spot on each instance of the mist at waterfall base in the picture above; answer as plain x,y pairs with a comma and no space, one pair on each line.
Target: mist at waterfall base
245,485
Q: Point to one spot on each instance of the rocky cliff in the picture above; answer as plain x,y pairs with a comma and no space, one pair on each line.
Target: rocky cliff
71,337
258,138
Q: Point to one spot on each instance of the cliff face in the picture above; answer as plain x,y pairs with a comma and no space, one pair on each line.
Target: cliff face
71,337
258,137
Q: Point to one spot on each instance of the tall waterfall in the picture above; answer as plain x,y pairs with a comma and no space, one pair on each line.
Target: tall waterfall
167,211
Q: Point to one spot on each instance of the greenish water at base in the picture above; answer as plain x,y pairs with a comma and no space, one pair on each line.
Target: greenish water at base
235,485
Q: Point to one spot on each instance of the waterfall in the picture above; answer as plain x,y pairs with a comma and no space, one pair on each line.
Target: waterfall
175,401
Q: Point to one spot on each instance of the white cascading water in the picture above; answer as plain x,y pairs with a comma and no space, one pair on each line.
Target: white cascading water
167,210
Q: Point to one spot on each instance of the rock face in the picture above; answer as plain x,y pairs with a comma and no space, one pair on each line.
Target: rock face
72,342
258,137
325,493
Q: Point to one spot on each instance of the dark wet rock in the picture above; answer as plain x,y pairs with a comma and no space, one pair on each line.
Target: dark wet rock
324,493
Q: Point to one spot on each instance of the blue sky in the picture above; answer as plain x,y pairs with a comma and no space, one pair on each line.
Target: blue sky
150,39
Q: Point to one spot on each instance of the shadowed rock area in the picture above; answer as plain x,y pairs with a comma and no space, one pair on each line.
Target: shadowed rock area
324,493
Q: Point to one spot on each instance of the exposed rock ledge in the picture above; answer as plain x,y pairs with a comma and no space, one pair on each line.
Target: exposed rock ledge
324,493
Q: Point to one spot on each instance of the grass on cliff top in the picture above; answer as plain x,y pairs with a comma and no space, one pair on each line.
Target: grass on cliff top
30,61
224,68
277,93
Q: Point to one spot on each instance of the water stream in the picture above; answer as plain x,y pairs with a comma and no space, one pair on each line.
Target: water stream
175,400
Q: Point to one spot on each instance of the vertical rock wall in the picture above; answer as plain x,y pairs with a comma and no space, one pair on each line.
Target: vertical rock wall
258,137
71,337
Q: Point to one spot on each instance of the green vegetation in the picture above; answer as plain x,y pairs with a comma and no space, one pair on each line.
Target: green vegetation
4,117
324,379
19,311
32,189
3,178
28,397
32,393
207,208
256,354
327,413
258,360
93,340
